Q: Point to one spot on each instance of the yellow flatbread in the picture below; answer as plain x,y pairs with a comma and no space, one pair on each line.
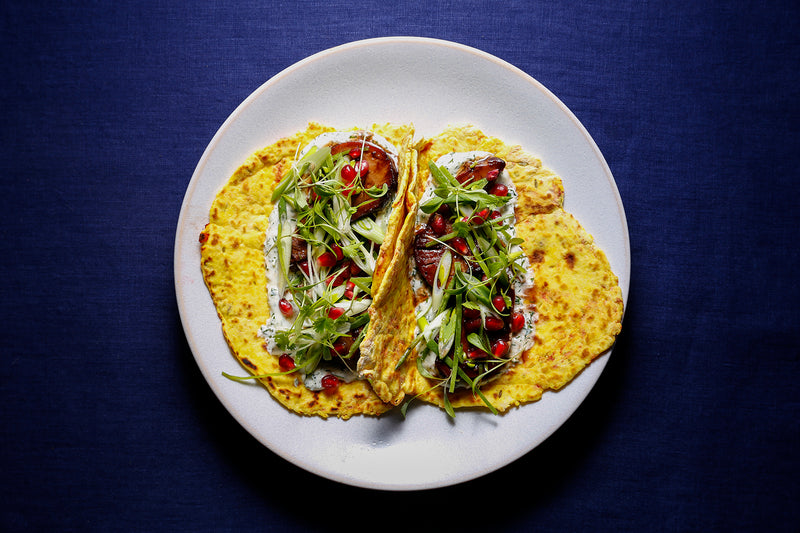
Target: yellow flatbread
235,274
577,296
392,314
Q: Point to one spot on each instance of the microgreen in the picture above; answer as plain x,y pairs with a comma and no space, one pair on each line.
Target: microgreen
491,251
314,204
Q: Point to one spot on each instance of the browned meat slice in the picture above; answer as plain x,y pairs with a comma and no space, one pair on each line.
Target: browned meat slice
489,168
381,171
427,258
299,249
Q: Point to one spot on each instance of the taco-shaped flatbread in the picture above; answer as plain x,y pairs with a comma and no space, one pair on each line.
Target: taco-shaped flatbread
298,243
511,295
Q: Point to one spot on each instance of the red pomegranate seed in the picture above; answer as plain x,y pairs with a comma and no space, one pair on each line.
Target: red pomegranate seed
480,217
497,189
327,259
467,312
460,245
337,251
286,363
493,323
438,224
303,265
472,324
335,312
499,303
517,322
286,308
475,353
362,167
334,280
330,382
355,153
499,347
349,290
338,347
348,174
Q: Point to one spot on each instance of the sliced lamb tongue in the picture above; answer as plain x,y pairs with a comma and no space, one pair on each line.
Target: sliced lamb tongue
380,171
427,256
299,249
489,168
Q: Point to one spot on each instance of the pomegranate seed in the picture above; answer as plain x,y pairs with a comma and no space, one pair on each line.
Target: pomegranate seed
493,323
492,174
355,270
438,224
337,251
499,347
499,303
286,362
475,353
355,153
327,259
303,265
341,346
497,189
495,215
472,324
362,167
348,174
330,382
517,322
286,308
467,312
349,290
460,245
335,280
335,312
480,217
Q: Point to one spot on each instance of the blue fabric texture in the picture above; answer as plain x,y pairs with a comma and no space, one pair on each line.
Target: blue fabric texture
106,422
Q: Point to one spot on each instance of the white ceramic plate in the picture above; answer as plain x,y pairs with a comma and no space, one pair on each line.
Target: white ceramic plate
431,83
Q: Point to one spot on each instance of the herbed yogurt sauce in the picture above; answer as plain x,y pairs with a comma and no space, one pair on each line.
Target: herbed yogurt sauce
277,321
523,340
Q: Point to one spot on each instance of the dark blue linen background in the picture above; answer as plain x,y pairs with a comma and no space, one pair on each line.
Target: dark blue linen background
106,422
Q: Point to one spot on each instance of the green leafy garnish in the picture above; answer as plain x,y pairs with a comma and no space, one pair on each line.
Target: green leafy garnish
331,292
465,360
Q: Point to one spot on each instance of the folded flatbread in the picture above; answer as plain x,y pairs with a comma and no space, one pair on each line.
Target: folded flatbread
577,297
233,265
